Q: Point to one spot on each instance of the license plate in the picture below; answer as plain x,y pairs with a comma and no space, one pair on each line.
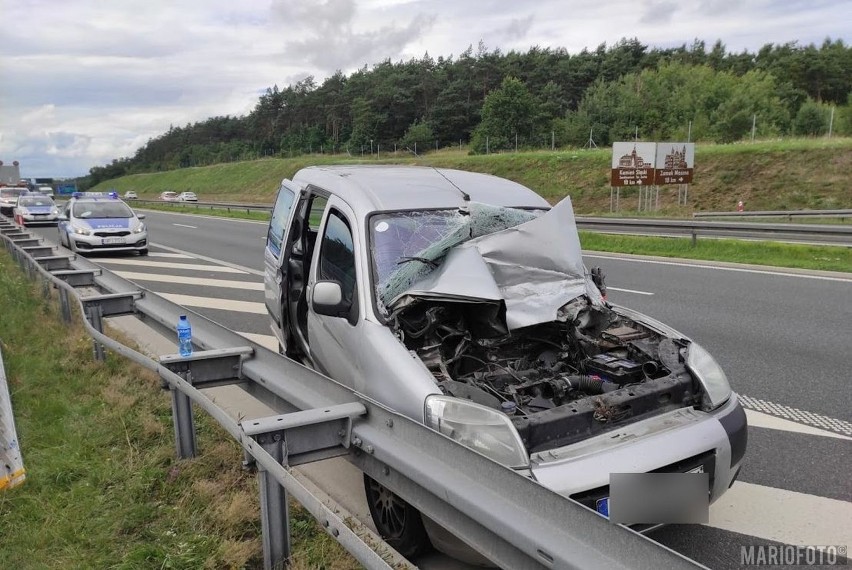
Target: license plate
113,241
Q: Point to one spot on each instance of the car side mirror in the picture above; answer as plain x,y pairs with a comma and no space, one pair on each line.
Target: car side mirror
328,299
140,216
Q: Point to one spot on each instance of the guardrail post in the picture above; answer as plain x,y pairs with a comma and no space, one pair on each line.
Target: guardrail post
694,238
64,305
184,423
95,314
274,510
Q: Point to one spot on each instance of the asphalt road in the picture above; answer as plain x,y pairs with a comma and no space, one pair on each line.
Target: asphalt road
782,338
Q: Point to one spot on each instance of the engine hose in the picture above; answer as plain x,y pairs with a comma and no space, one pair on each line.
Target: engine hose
585,383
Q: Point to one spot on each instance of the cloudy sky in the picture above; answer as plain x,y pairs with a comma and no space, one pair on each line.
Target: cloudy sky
85,81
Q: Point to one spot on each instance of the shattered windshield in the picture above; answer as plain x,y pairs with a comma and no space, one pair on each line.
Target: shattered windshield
406,246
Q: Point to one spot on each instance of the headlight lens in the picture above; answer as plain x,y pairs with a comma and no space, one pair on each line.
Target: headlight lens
81,230
478,427
54,211
23,211
139,229
710,375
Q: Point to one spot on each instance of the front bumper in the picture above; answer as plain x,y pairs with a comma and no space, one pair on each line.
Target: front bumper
107,242
673,442
29,219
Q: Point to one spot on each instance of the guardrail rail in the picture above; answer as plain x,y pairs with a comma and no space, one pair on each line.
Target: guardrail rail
510,519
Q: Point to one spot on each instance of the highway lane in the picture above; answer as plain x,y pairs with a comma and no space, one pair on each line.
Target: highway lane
744,318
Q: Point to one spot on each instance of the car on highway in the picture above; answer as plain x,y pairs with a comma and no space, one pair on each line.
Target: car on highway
168,196
35,208
462,301
9,198
130,195
98,222
187,197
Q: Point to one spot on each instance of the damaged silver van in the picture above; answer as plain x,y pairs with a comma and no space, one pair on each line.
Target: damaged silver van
461,300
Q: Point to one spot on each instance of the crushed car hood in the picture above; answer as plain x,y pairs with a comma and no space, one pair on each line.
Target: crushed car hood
534,268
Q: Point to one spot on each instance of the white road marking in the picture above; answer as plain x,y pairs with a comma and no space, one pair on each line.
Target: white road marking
215,303
210,259
266,340
721,268
173,266
133,276
168,255
185,226
782,516
628,291
796,415
761,420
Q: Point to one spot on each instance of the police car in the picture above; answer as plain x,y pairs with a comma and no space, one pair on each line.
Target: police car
97,221
35,208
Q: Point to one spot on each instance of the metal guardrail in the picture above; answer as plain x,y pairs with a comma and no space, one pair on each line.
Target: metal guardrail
510,519
789,214
210,205
829,234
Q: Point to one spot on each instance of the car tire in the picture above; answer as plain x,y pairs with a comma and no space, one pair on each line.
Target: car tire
398,523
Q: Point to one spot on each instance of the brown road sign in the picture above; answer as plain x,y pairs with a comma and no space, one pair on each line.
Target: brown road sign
674,163
632,164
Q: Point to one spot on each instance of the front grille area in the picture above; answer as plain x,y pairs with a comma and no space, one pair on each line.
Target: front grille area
707,459
112,234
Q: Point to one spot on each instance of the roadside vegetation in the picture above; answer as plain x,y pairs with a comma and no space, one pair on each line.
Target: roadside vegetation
766,175
103,487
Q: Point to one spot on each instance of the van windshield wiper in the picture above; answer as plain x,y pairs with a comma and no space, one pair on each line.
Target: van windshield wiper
431,263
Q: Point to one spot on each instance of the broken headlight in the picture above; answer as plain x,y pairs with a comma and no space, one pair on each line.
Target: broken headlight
478,427
711,376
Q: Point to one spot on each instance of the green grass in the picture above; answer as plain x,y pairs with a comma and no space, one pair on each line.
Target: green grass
103,488
207,210
825,258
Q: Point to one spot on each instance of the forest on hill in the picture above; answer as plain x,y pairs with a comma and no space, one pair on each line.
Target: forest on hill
541,98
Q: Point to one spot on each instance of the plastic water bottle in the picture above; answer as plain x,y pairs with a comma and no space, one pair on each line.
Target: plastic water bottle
184,332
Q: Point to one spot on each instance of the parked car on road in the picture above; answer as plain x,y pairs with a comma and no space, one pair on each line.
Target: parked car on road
130,195
9,198
35,208
168,196
97,221
187,197
461,300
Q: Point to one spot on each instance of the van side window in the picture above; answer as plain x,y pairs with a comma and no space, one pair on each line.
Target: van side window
278,223
337,256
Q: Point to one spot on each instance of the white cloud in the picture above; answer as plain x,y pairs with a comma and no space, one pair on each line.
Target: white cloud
85,81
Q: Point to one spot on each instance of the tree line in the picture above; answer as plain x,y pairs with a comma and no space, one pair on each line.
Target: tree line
542,97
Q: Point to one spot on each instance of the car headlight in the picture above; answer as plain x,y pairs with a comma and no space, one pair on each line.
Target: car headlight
483,429
83,231
23,211
139,229
54,211
710,375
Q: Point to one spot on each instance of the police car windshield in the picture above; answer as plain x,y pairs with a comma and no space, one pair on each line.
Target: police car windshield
37,201
105,209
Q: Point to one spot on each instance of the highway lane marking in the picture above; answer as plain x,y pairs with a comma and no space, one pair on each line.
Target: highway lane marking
185,226
216,303
225,283
168,255
173,266
265,340
796,415
629,291
761,420
210,259
721,268
783,516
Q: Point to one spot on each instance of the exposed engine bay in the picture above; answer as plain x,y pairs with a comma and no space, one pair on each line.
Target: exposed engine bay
588,371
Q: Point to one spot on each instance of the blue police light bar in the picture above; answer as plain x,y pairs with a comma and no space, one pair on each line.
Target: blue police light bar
113,195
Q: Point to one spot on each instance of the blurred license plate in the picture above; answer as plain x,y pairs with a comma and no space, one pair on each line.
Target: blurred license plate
113,241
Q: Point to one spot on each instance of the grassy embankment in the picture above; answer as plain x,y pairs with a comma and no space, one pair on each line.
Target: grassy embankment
775,175
103,487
